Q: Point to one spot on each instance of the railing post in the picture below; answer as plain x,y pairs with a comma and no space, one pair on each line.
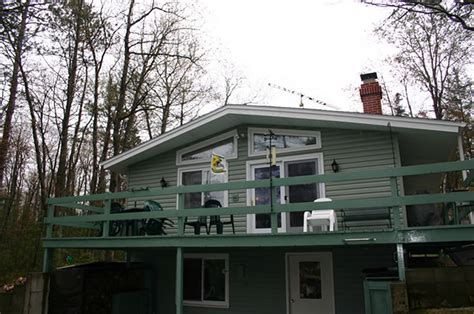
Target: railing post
179,280
106,223
180,206
273,214
396,209
48,260
400,262
49,225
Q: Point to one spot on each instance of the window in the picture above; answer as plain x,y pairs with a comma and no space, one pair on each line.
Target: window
206,280
286,140
287,166
202,175
224,144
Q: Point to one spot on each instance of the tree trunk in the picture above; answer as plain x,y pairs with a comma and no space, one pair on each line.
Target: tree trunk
60,187
7,126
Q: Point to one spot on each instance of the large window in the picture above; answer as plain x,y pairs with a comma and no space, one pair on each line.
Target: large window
285,141
202,175
206,280
224,145
288,166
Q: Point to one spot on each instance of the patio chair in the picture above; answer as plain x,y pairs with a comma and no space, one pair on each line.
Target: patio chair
197,224
115,227
216,219
155,226
325,219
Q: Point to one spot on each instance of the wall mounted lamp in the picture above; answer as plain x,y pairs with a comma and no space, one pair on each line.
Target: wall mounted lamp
163,182
335,166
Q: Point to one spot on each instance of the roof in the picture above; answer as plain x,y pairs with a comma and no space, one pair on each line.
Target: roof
227,117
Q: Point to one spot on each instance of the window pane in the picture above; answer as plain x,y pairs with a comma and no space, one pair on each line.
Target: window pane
262,196
282,141
214,280
192,279
192,200
224,148
259,144
211,178
310,280
302,192
292,141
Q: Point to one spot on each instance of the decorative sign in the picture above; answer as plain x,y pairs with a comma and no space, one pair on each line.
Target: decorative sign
218,164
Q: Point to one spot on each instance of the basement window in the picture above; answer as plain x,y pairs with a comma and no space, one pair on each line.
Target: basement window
206,280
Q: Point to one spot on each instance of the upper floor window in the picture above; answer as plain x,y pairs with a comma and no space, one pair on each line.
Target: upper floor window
285,141
224,145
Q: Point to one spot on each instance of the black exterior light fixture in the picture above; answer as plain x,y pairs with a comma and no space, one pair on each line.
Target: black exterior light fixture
335,166
163,183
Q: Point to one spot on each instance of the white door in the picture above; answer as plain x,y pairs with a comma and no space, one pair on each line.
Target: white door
310,283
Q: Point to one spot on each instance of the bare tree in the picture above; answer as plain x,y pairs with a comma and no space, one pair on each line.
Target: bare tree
13,37
456,11
429,50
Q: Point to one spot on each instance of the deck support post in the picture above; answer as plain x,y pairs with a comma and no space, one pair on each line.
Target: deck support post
400,262
395,209
179,281
180,224
48,252
48,260
106,224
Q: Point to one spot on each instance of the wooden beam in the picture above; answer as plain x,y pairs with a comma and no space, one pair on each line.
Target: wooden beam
179,280
460,233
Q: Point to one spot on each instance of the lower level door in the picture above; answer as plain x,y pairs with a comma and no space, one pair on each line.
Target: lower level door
310,283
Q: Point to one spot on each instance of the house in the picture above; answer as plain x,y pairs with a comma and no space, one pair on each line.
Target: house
371,170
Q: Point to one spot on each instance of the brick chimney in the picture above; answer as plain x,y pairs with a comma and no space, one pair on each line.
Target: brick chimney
371,93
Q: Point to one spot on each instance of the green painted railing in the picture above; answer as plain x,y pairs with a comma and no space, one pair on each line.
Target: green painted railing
98,215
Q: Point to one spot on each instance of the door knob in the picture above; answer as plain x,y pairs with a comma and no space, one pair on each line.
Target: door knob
292,300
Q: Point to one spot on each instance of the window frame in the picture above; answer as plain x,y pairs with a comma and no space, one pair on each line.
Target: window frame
290,132
202,168
231,134
281,162
207,303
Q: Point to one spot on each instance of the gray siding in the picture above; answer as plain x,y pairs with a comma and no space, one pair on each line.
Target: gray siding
352,149
262,290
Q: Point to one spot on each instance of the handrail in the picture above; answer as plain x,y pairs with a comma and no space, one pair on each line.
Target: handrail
278,208
469,179
394,201
324,178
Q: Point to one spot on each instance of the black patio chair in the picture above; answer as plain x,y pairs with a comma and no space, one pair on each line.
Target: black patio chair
215,220
156,226
197,224
115,227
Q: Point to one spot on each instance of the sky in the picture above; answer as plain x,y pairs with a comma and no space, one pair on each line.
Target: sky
318,48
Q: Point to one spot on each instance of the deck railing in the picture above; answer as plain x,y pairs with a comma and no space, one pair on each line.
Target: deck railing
94,211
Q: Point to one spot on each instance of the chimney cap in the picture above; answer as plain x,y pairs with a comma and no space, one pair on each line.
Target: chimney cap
368,76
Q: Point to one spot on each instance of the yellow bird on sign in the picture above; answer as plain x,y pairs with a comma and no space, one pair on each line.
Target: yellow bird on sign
218,164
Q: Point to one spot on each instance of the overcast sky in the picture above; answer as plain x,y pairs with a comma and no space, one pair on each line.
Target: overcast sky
316,47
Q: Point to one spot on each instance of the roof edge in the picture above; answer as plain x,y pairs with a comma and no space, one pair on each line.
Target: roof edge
316,114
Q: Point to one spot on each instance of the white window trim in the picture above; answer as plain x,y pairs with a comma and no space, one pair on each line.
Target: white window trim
214,304
281,162
250,202
202,167
252,131
205,143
